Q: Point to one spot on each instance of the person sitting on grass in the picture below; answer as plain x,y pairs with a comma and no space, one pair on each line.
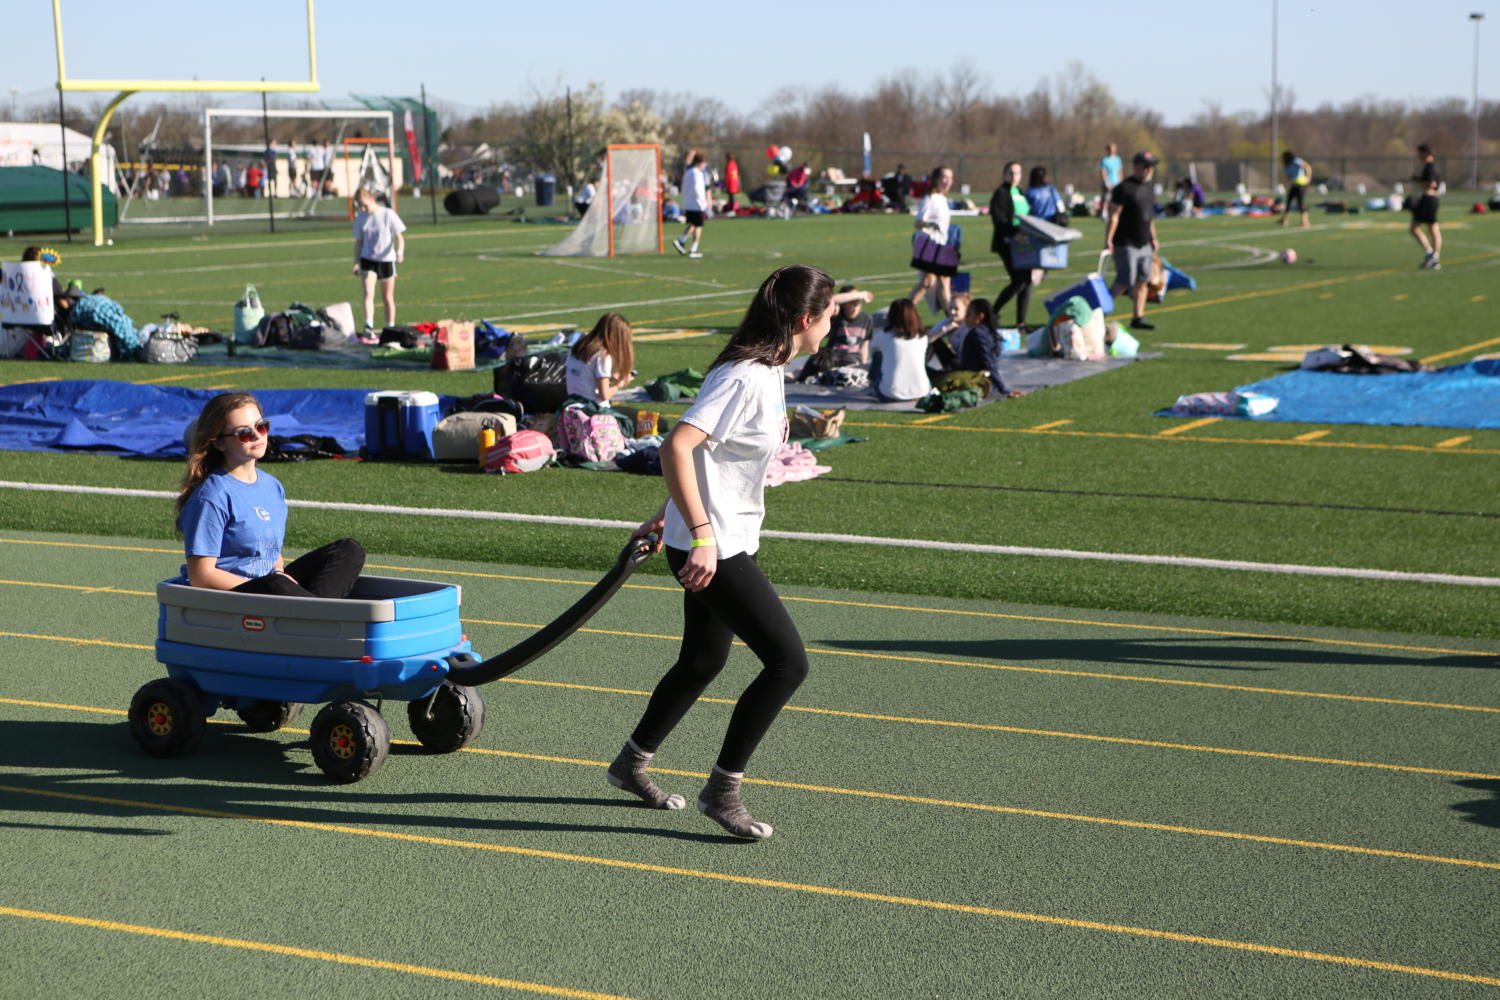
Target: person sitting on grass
848,340
603,361
232,516
898,370
945,341
981,351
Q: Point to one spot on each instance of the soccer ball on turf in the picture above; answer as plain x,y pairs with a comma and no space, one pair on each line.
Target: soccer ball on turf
1289,256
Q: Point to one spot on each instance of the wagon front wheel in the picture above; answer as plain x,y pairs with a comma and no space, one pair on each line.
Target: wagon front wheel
268,716
449,720
167,717
350,740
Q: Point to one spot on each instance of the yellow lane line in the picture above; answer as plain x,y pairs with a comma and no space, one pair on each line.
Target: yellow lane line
894,797
1024,731
1454,442
1048,427
1276,291
1460,350
1055,671
75,586
212,374
861,604
1191,425
1126,436
1312,435
1478,298
75,640
934,419
320,956
1400,297
1302,287
797,887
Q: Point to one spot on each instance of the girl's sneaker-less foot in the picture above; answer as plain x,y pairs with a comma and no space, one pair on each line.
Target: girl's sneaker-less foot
628,773
720,802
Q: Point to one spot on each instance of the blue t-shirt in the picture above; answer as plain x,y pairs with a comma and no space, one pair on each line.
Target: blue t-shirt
1111,166
241,524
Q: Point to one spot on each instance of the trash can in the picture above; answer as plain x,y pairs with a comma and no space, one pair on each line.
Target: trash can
546,186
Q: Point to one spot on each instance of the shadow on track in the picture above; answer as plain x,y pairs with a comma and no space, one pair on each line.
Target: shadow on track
286,785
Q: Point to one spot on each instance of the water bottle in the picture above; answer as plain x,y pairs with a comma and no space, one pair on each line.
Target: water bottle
486,441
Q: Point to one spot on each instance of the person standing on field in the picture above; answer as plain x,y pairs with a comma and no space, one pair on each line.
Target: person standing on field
694,206
379,245
1424,209
1131,235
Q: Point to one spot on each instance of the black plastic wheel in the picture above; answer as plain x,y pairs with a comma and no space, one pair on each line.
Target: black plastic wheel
167,717
269,716
457,716
350,740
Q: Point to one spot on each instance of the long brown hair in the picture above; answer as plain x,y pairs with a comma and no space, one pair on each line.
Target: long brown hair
202,457
611,334
765,334
902,320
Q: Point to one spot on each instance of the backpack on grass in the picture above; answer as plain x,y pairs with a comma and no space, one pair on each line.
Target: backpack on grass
523,451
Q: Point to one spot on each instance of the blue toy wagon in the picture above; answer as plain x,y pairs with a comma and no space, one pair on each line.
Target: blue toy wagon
264,657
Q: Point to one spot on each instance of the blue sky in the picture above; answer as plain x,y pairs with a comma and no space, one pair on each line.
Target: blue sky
1173,57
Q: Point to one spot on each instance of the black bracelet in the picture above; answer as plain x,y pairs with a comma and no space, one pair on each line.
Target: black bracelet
703,525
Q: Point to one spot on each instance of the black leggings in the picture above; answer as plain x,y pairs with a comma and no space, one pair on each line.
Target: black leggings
738,601
1019,288
327,572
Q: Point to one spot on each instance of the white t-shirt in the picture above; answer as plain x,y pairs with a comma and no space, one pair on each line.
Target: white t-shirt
742,409
695,190
376,233
586,194
934,209
584,376
903,365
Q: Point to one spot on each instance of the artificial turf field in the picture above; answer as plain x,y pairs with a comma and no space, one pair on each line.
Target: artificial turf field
1210,783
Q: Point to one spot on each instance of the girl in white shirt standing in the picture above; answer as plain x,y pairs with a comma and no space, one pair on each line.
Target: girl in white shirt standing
714,462
602,361
379,245
934,220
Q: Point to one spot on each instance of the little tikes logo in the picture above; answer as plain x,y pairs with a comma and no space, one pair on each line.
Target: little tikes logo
250,624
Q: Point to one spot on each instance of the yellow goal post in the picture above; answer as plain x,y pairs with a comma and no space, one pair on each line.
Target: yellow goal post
128,87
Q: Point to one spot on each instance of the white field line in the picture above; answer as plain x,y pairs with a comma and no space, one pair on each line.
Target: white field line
634,274
813,536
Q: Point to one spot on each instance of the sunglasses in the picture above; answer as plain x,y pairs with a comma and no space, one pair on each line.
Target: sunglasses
247,435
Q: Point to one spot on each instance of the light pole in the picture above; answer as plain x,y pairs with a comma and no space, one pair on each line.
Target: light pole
1274,97
1476,17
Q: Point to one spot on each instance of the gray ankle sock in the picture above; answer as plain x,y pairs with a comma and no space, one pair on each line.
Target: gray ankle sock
628,771
720,802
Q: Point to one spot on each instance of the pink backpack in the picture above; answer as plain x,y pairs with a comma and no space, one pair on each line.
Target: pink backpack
523,451
592,437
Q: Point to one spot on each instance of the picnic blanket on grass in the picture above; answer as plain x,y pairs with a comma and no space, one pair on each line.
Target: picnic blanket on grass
1466,395
123,417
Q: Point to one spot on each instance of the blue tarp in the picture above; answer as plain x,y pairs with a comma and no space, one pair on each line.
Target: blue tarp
1465,395
150,419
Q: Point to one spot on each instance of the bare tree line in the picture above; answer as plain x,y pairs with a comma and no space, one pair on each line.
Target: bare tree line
954,112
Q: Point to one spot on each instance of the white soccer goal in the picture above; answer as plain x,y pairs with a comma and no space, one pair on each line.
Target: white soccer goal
325,179
625,215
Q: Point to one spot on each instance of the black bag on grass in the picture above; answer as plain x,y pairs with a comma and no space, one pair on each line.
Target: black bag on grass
538,381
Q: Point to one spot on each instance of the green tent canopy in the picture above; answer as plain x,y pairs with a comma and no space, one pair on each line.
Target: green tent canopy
31,201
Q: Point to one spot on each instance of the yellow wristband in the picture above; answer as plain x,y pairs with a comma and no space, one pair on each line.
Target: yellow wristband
698,543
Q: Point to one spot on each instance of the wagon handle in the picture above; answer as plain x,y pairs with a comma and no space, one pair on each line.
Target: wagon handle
564,625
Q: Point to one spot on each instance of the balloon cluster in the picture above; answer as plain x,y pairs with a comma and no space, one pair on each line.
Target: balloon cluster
780,157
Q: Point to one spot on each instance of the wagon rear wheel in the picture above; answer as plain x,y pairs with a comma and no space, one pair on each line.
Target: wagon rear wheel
350,740
167,717
269,716
455,720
